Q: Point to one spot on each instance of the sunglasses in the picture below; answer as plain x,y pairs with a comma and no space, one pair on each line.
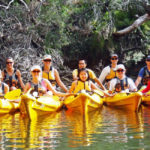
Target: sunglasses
9,62
48,60
120,70
114,58
36,71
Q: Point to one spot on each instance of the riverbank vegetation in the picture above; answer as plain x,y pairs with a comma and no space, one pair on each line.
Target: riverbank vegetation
73,29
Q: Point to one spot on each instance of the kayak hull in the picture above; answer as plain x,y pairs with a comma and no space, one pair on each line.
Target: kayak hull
146,100
84,102
7,106
35,107
124,101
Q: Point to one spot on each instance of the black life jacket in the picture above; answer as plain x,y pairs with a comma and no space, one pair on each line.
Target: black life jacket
121,84
11,80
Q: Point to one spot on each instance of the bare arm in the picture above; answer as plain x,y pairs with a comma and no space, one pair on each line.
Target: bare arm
99,83
27,87
18,73
94,87
138,81
50,87
3,75
6,88
59,82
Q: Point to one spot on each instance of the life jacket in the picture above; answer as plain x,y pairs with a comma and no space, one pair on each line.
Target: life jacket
2,88
40,87
11,80
121,85
111,75
49,75
82,86
146,76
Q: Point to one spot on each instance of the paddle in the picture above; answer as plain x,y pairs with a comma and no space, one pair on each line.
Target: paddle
102,93
12,95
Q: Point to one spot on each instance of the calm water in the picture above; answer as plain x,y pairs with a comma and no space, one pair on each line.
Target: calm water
100,130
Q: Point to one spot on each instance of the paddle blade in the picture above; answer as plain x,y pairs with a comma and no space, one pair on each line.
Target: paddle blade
99,92
13,94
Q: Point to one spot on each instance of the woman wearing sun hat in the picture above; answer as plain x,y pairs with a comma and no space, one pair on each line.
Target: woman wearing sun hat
51,74
39,84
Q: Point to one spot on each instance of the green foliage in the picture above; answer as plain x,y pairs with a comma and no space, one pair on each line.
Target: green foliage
84,28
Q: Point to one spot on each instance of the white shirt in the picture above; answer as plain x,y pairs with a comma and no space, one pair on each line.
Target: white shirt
131,84
105,72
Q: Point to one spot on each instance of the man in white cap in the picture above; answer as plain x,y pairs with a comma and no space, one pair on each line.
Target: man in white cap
109,72
144,73
50,73
121,83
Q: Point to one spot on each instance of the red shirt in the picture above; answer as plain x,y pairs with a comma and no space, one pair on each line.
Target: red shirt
147,88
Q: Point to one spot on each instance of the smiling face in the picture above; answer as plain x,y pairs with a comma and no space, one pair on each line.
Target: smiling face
36,72
148,63
120,73
9,63
47,62
83,75
114,60
82,64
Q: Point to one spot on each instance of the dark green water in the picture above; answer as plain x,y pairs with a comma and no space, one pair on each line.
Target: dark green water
107,129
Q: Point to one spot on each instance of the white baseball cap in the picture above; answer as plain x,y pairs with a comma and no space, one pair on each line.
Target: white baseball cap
121,66
36,67
47,57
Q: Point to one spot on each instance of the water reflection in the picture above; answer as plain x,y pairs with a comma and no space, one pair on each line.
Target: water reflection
105,129
122,125
83,127
44,132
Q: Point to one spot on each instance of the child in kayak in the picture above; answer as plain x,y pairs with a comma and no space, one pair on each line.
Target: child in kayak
83,83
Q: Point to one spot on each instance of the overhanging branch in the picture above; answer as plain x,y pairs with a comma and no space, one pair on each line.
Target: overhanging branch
132,27
8,6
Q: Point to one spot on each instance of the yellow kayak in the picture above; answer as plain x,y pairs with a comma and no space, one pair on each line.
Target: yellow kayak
34,107
8,106
84,102
124,101
146,99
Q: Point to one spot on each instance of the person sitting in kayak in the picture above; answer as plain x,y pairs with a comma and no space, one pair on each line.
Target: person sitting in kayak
4,88
51,74
144,74
82,65
109,72
39,85
122,83
83,83
11,76
147,88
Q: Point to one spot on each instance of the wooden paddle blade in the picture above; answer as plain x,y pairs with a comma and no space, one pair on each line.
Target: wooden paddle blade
13,94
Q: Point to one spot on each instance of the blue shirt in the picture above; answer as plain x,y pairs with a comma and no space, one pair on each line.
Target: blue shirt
142,71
